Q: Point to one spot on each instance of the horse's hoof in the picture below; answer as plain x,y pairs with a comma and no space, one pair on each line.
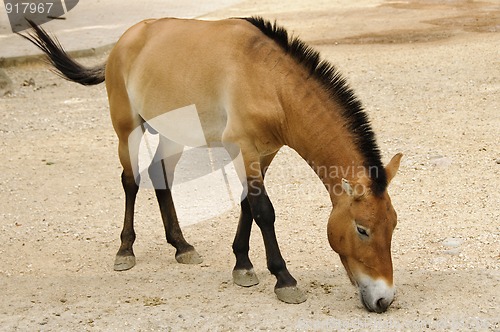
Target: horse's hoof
123,263
291,294
189,257
245,278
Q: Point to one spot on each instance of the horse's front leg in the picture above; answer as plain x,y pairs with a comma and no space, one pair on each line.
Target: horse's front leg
263,213
243,272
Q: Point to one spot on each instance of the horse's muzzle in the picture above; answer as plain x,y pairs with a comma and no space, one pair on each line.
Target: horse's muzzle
376,295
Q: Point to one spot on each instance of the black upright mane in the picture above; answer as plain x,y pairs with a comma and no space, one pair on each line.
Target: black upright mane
338,89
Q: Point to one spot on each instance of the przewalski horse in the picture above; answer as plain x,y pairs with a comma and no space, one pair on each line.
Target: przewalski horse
256,88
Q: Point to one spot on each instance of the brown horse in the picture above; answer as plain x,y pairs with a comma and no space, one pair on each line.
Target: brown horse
257,89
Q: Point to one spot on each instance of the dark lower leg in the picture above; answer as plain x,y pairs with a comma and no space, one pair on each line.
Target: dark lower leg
242,238
185,253
264,216
243,273
125,256
263,213
173,231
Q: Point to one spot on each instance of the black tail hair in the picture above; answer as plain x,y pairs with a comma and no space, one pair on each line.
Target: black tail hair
64,65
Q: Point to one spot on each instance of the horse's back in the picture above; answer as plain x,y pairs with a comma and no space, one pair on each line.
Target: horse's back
168,64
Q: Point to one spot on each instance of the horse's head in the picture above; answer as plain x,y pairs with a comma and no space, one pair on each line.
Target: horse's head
360,231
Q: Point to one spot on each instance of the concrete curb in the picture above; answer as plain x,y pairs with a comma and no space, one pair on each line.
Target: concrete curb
37,58
111,28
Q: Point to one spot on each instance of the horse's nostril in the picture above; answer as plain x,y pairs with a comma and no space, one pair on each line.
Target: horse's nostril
383,304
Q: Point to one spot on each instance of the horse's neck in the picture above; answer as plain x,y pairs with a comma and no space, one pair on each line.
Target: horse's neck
318,132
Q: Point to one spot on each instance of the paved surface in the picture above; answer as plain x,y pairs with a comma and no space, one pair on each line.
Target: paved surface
95,24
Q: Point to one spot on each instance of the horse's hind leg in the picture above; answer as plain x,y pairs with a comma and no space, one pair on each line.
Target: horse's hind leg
125,258
161,173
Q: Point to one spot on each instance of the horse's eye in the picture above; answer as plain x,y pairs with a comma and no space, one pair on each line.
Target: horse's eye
361,231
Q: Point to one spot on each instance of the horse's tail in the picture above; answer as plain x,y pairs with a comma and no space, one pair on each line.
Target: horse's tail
65,66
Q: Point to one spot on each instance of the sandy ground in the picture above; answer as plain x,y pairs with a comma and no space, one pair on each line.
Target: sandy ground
429,75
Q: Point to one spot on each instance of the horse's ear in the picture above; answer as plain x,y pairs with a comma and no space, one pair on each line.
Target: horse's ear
392,167
346,186
354,190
